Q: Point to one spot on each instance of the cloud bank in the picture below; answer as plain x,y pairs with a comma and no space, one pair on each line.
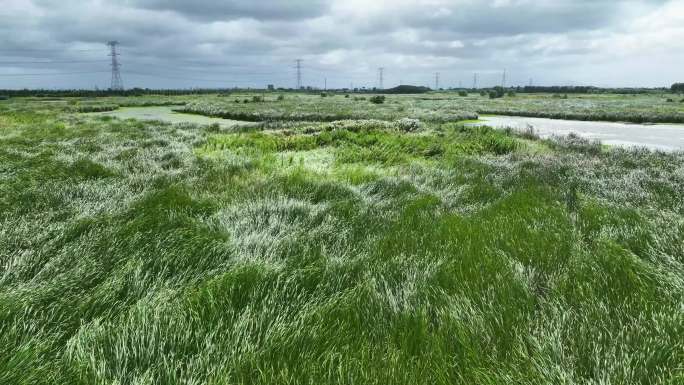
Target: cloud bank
246,43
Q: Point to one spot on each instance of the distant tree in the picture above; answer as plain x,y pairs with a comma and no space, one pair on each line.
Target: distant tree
406,89
678,88
497,92
377,99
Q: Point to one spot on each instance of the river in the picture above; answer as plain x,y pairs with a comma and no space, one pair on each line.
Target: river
665,137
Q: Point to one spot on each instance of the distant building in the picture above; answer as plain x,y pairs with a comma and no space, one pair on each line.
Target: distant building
271,87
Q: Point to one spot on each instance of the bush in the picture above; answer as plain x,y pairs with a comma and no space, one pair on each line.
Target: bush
281,97
670,100
574,142
408,124
377,99
406,89
96,107
346,96
462,93
483,93
511,94
257,99
323,94
214,127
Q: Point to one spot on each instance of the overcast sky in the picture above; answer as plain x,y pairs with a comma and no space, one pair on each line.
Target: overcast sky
251,43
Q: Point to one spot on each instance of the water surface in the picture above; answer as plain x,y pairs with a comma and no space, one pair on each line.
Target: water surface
667,137
166,114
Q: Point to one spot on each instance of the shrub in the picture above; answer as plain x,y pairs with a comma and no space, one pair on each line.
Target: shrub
408,124
96,107
462,93
670,100
257,99
483,93
500,91
511,94
323,94
346,96
406,89
281,97
377,99
574,142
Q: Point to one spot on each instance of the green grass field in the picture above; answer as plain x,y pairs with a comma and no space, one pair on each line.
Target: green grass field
297,251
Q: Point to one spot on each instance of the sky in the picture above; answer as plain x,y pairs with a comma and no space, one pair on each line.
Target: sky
342,43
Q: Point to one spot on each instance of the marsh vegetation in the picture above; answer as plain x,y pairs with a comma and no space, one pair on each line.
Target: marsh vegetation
337,241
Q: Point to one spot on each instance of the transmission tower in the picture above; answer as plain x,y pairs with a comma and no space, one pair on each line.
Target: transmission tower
503,79
380,78
436,80
299,73
475,81
117,83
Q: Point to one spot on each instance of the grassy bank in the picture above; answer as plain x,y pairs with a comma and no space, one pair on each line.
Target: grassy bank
372,252
441,107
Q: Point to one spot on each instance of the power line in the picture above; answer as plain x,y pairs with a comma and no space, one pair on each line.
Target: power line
52,62
49,50
54,73
189,78
117,83
186,70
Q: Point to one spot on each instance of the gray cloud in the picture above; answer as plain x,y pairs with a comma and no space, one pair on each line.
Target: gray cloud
214,10
247,43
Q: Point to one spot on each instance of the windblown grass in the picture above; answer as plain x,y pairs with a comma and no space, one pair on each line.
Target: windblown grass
346,252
